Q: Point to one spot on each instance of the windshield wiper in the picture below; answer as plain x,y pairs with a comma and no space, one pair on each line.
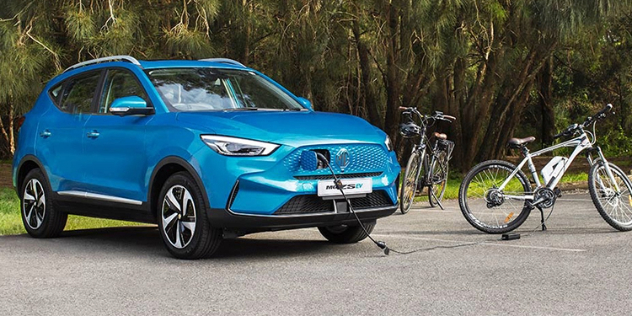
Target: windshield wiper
241,109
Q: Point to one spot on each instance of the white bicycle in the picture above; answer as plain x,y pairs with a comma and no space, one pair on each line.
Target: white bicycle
497,197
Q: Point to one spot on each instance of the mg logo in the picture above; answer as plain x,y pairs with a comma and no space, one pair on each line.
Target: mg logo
342,159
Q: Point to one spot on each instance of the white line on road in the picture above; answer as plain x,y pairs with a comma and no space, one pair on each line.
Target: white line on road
487,243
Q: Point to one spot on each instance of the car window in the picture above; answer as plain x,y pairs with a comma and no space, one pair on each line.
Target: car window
55,92
119,83
209,89
79,93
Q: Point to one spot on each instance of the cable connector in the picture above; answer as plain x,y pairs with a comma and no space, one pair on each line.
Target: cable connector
383,246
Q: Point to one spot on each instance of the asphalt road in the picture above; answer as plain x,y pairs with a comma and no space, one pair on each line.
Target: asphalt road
579,266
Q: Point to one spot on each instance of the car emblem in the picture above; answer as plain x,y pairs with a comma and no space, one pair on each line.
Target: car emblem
342,159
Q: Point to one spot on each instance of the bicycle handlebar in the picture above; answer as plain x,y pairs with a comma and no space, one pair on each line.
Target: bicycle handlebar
571,129
436,116
600,115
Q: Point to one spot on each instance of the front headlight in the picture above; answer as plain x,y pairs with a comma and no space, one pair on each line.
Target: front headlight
232,146
388,143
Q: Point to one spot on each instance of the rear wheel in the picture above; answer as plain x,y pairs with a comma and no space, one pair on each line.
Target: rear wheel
409,182
488,208
184,226
39,216
438,178
615,206
346,234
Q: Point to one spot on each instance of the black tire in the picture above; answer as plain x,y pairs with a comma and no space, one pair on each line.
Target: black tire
39,216
484,207
615,208
438,178
182,220
409,182
345,234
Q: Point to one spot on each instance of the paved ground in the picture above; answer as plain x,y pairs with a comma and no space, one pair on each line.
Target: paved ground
579,266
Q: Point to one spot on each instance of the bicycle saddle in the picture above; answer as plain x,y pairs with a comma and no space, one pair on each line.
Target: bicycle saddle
517,142
440,136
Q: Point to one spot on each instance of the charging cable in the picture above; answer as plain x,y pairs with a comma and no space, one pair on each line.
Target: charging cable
381,244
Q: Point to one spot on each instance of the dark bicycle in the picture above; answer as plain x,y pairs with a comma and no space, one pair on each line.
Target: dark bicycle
428,162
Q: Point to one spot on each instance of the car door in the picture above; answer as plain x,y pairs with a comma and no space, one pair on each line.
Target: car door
60,129
115,145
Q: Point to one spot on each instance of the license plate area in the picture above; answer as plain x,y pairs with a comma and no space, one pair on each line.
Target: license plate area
351,187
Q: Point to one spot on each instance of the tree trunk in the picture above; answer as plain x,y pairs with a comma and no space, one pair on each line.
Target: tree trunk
8,136
368,97
393,85
545,100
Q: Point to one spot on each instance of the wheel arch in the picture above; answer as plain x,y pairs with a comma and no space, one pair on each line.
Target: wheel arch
28,163
163,170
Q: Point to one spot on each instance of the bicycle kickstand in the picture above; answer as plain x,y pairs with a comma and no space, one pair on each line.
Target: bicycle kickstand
542,218
438,202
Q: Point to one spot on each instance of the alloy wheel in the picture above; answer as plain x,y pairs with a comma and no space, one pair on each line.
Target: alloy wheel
178,216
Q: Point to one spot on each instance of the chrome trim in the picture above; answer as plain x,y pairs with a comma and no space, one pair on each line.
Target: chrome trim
105,59
101,197
314,214
223,61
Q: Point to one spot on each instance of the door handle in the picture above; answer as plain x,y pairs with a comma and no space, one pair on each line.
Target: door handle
45,133
93,134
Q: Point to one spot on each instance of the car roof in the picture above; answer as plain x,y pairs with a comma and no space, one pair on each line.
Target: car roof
124,60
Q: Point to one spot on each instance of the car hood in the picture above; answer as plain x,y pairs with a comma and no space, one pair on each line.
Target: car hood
286,127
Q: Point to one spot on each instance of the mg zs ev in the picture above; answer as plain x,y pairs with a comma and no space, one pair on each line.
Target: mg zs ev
206,149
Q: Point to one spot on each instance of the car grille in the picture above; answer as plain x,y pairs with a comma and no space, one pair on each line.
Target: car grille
311,204
363,158
340,176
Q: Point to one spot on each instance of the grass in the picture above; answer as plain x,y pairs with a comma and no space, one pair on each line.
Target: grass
11,221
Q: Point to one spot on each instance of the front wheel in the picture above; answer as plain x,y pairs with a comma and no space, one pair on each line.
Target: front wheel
182,220
345,234
39,216
614,205
438,178
409,182
489,208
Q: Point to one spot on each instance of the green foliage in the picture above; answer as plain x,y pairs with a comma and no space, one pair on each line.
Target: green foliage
482,61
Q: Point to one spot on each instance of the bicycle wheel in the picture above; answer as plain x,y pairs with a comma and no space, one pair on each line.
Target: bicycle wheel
438,178
488,208
409,182
615,206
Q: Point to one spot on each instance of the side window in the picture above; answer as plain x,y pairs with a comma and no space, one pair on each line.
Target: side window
79,92
119,83
55,92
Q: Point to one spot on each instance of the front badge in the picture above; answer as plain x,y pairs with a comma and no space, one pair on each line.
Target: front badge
343,159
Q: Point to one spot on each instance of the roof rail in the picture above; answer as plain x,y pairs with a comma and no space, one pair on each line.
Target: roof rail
105,59
223,61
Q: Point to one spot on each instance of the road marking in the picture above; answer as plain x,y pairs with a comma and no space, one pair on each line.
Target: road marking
487,243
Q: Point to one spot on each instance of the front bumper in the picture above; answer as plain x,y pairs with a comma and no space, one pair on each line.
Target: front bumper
277,185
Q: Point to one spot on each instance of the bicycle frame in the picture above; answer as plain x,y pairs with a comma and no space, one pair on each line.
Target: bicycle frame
580,144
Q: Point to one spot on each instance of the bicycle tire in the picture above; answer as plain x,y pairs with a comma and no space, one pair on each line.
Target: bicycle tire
409,182
478,196
615,208
438,178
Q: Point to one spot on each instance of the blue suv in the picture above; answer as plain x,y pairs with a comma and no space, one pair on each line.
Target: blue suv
206,149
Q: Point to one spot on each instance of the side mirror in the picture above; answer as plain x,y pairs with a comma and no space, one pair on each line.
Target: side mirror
304,102
131,105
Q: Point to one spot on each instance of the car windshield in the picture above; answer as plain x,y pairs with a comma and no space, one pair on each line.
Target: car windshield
211,89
